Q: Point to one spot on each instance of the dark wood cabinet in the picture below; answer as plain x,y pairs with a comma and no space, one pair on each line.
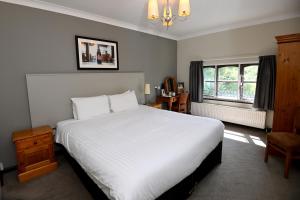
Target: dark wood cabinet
287,93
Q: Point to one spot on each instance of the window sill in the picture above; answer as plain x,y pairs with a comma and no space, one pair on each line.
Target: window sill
228,100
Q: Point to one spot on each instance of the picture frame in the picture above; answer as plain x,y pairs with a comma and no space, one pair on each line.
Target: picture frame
96,54
180,87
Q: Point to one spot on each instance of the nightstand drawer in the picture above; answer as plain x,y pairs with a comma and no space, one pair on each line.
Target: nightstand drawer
45,139
34,141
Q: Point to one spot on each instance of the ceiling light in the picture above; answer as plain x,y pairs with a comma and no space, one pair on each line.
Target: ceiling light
153,10
184,10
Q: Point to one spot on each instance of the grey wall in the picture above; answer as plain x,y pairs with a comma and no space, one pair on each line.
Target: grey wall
254,40
36,41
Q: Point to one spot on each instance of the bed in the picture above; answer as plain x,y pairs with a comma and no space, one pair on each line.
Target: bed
139,154
142,153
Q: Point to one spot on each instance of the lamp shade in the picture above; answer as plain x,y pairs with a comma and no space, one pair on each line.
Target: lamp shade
147,88
153,10
184,9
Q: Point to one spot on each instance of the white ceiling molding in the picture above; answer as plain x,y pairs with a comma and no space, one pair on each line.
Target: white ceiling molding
43,5
85,15
239,25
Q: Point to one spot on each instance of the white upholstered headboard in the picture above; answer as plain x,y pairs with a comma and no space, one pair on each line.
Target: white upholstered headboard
49,94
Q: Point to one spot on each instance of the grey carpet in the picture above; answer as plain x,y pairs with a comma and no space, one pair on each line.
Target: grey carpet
242,176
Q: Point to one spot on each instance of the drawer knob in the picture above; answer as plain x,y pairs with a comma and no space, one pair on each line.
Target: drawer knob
35,142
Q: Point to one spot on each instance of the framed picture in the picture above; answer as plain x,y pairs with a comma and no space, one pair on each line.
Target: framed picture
180,87
96,54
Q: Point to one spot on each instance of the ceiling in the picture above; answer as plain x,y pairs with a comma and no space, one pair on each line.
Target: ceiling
207,16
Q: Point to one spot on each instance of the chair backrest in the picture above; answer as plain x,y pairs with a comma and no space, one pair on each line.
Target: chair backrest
297,121
183,97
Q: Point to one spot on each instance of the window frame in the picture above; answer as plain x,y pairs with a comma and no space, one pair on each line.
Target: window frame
240,81
214,81
224,81
242,70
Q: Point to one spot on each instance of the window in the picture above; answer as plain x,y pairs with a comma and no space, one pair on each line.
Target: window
230,82
209,74
248,82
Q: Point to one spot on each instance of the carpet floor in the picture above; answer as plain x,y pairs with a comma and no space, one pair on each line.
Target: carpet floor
243,175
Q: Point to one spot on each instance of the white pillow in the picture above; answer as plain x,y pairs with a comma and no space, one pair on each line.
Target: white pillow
74,110
88,107
124,101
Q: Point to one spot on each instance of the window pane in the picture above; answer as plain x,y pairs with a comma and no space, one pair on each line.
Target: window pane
209,89
250,73
249,91
209,74
228,73
228,90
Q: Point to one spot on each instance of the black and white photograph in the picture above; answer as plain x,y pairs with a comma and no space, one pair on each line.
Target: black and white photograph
96,53
180,87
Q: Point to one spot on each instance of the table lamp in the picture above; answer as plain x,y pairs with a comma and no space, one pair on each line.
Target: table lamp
147,91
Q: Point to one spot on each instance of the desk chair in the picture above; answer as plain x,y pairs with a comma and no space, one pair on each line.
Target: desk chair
181,105
286,143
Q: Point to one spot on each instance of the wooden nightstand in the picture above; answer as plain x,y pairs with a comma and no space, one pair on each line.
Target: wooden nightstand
35,153
155,105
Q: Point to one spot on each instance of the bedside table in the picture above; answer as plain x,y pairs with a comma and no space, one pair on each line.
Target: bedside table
155,105
35,152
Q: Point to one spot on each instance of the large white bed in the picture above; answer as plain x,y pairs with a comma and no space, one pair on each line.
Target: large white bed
140,153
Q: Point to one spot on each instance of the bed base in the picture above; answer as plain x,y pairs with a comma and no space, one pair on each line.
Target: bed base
180,191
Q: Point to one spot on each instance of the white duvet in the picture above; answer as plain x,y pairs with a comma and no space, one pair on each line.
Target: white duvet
141,153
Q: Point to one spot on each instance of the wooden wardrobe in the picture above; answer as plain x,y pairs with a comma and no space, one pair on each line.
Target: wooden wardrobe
287,92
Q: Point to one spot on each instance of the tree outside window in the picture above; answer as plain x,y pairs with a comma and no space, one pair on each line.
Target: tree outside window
209,74
230,82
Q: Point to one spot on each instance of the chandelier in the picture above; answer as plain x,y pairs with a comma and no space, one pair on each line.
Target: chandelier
168,17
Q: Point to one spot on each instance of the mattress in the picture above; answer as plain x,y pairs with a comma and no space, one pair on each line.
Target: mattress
141,153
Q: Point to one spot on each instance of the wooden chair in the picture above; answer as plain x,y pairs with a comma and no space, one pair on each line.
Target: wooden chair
181,104
286,143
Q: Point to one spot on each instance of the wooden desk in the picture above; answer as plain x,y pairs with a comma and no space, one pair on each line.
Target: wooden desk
155,105
169,100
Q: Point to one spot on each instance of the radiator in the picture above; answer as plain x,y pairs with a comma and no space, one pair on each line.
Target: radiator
243,116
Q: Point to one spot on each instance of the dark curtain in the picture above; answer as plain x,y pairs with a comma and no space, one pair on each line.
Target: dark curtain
196,81
265,86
